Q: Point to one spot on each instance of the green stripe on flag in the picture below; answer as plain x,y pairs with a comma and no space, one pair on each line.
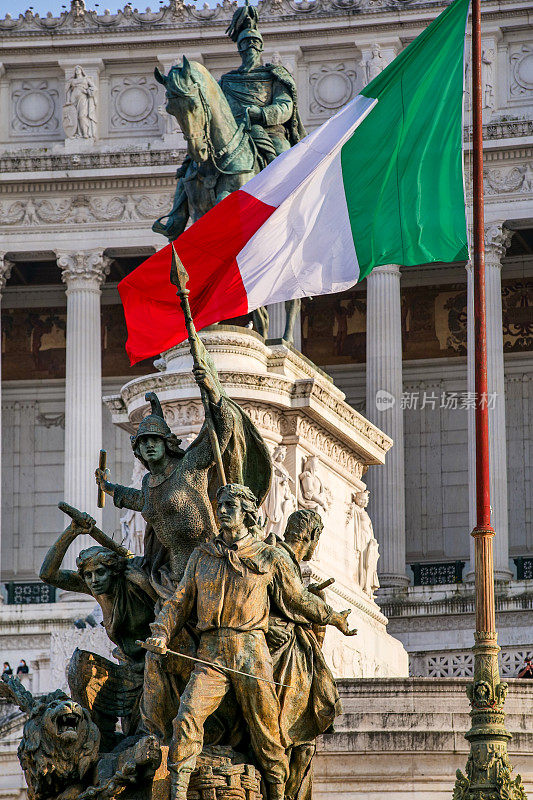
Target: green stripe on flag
402,169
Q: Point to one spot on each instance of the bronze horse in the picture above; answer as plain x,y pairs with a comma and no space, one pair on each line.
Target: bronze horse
221,154
222,157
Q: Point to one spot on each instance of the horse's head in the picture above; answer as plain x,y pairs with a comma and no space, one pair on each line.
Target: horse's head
187,103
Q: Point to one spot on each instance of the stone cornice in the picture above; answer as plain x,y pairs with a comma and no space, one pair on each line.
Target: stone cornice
14,165
96,160
90,183
181,17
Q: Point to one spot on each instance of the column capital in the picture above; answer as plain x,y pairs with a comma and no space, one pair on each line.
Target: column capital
83,269
497,240
6,265
385,269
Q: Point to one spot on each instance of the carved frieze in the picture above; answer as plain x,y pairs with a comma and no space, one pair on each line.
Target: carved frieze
51,420
265,417
322,441
35,108
133,104
178,12
509,180
83,209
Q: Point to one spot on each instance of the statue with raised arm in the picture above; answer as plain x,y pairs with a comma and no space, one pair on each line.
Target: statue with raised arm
175,502
123,592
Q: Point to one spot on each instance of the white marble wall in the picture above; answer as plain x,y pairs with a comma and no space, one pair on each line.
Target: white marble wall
436,456
33,436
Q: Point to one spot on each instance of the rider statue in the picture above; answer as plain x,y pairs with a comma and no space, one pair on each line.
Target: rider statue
263,97
261,100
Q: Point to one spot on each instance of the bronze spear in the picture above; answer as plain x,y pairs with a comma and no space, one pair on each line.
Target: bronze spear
179,278
221,667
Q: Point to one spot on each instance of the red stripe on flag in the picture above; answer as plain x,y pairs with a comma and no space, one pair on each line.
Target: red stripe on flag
209,250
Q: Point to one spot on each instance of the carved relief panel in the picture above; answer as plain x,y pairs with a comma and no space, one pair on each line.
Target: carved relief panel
35,109
133,105
331,86
521,72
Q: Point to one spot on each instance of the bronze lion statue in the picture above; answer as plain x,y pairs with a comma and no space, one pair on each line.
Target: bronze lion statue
59,748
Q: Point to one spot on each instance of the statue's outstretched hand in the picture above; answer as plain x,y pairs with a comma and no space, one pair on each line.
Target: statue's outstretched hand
340,621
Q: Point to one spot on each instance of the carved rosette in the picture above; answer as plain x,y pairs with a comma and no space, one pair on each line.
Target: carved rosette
83,270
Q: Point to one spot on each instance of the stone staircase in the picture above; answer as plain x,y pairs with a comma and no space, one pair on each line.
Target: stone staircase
403,739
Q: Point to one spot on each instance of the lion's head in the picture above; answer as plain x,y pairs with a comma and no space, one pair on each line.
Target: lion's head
59,745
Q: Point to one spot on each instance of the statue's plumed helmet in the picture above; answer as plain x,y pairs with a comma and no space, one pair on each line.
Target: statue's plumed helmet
244,19
154,425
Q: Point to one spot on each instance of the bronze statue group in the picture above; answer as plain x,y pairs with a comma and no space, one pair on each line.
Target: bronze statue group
217,640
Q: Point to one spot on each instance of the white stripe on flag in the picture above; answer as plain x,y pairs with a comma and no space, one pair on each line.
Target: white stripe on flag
288,170
305,247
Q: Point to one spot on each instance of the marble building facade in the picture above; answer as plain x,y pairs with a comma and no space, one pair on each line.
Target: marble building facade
88,158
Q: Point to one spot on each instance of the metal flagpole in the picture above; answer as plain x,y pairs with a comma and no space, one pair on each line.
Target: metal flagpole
179,278
488,771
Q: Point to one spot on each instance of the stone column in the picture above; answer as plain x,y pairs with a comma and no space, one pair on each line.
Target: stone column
5,272
384,408
497,240
83,273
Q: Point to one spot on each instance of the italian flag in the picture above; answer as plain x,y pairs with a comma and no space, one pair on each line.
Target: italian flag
381,182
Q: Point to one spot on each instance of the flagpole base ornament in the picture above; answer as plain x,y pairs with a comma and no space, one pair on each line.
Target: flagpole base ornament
488,770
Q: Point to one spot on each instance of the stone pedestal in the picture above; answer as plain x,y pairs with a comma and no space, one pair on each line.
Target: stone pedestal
295,404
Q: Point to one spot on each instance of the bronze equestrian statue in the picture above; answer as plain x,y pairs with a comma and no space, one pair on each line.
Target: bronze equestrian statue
233,130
